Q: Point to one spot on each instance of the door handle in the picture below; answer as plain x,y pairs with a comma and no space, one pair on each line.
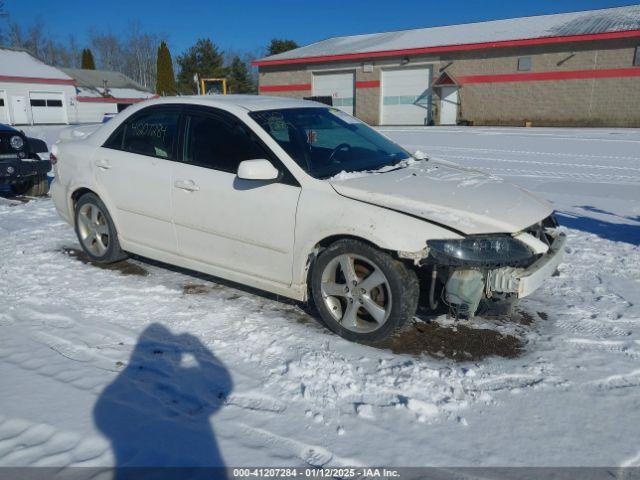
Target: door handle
103,164
186,185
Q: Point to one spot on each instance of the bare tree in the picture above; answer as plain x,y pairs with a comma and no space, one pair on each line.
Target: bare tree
108,51
140,55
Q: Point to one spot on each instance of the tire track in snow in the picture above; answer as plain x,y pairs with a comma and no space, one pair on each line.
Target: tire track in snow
540,153
25,443
554,164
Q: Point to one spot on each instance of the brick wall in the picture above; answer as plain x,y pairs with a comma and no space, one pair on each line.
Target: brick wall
583,102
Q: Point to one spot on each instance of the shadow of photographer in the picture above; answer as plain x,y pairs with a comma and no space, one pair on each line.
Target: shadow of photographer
156,413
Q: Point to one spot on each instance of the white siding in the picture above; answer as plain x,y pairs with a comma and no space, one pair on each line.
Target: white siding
92,112
4,107
25,90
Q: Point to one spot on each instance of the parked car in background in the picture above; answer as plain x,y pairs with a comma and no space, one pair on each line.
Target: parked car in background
302,200
22,166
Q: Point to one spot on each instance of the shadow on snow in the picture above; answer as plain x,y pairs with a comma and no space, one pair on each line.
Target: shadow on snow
156,413
618,232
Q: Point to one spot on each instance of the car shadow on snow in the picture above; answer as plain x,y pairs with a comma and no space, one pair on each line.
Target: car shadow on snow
125,267
617,232
156,413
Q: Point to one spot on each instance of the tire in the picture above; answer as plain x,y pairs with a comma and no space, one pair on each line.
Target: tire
96,232
36,186
382,284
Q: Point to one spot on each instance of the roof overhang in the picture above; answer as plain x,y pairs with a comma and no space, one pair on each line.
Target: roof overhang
451,48
113,99
50,81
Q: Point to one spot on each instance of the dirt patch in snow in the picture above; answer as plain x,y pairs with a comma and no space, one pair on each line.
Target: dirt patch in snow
199,288
125,267
455,342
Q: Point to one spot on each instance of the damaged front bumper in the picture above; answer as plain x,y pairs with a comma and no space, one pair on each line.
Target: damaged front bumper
524,281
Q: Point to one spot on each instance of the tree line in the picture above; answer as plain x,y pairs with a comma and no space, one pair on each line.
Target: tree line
143,56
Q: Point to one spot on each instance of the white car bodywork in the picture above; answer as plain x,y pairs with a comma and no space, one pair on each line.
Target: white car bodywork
264,237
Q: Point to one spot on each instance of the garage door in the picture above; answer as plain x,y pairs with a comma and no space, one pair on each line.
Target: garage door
406,96
339,86
47,107
4,108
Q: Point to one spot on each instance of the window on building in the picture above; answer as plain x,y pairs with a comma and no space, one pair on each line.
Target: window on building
54,103
1,102
38,103
524,64
636,58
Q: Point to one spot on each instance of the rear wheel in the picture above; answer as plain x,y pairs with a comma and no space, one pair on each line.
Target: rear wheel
96,231
362,293
36,186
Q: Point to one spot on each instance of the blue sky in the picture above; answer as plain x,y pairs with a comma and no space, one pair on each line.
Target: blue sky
248,25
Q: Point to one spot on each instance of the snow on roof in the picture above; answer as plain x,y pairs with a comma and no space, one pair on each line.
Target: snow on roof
130,93
96,79
19,63
91,84
558,25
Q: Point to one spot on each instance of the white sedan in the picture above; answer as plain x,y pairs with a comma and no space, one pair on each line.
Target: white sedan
302,200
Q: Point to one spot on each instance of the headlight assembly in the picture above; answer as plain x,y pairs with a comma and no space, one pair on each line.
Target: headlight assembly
16,142
481,251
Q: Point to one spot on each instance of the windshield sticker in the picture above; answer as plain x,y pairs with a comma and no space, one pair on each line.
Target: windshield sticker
345,117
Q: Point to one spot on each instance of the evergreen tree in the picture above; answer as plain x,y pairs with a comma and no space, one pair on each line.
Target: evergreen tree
203,58
239,78
279,45
165,80
87,60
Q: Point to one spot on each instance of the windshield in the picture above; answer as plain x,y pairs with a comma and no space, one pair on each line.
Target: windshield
325,142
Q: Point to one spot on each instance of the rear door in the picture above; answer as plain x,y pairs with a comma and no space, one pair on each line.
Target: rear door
240,226
133,170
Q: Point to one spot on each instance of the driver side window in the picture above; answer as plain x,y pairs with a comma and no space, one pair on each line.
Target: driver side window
215,143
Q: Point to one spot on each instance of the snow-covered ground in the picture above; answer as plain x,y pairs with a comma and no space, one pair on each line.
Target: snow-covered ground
146,365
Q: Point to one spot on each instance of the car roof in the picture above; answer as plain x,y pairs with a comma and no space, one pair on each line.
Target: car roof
251,103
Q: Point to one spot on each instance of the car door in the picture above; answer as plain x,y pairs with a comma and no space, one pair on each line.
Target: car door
235,225
133,171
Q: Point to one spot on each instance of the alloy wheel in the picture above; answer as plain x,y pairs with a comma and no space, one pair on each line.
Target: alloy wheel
93,229
356,292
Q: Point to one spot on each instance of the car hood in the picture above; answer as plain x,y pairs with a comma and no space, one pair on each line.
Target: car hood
462,199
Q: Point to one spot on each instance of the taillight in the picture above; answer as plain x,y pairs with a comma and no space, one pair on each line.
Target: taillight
53,159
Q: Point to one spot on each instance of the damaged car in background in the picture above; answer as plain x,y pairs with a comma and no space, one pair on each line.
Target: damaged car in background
302,200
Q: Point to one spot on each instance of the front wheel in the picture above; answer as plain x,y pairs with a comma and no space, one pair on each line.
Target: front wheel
96,231
362,293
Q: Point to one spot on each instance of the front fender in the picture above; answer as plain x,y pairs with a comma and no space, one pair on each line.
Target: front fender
323,214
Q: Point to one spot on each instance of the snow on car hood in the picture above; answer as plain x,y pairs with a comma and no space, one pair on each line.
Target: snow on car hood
463,199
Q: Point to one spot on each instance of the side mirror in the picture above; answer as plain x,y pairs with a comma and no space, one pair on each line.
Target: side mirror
257,170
